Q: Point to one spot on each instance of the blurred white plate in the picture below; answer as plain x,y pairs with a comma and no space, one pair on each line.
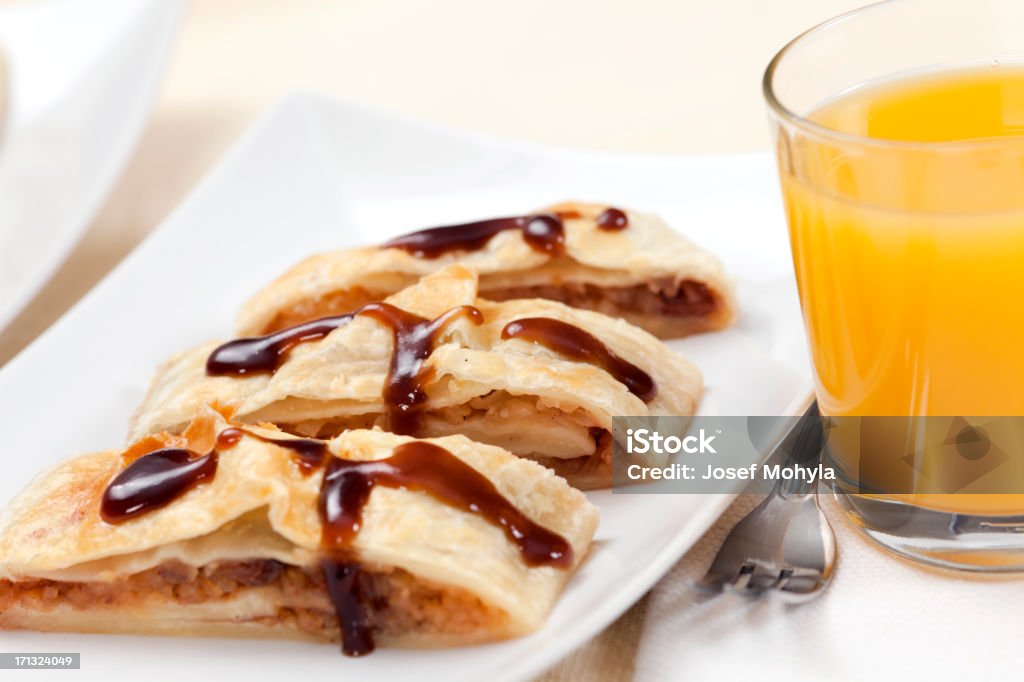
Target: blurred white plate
318,174
82,76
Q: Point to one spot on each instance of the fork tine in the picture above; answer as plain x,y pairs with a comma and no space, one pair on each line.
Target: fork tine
763,580
784,545
803,584
743,578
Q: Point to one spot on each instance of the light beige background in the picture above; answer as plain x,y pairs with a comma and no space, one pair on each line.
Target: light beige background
629,75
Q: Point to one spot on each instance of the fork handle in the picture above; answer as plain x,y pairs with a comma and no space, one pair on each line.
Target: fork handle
804,446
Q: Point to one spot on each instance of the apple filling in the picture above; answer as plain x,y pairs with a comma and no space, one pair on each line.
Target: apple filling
260,592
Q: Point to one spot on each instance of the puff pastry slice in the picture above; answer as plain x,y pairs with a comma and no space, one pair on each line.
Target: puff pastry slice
258,546
490,371
622,263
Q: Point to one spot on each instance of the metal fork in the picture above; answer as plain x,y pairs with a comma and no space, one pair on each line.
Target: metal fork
785,544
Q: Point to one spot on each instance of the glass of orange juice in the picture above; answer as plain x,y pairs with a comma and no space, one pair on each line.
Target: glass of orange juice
899,131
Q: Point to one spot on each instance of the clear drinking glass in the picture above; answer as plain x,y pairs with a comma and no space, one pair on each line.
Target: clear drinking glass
909,255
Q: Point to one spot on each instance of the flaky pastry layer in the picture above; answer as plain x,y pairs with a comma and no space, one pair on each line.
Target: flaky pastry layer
238,554
513,393
646,274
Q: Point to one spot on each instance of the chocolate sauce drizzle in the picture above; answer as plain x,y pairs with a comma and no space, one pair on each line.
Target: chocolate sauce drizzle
153,481
543,232
571,341
414,340
422,467
613,220
265,354
346,585
159,477
429,468
307,453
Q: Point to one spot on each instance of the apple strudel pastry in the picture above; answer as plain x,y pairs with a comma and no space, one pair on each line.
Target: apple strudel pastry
533,376
622,263
240,530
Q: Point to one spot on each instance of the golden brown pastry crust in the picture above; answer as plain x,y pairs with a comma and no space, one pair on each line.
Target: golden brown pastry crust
507,392
646,274
260,506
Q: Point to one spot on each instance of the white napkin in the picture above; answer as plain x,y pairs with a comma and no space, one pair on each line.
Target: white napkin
883,618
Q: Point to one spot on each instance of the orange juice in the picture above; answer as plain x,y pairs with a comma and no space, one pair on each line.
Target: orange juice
910,257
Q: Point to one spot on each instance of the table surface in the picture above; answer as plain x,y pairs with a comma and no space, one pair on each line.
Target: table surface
663,76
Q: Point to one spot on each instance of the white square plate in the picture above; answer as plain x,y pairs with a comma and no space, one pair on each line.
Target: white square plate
81,80
317,174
